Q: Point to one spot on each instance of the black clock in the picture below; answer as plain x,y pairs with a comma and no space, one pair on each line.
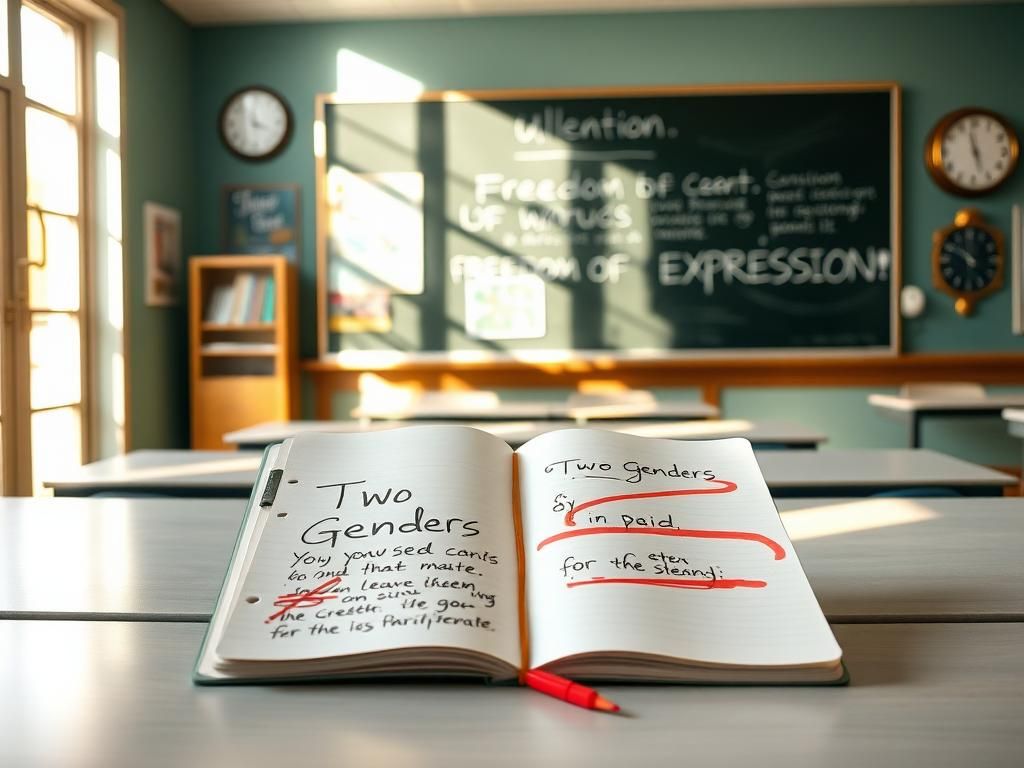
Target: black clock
967,259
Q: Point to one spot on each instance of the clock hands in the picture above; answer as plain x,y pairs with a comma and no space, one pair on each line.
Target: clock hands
967,255
974,150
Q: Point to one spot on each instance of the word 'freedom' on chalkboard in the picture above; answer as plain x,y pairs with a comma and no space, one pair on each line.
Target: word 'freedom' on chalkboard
656,221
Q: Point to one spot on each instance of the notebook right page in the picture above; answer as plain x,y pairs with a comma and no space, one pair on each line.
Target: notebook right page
661,547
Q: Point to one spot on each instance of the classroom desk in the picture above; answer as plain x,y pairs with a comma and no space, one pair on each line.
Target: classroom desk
914,410
541,409
165,559
898,559
1014,418
776,433
119,694
171,472
132,559
859,472
788,473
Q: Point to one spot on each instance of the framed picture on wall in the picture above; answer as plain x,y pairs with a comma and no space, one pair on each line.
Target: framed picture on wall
261,218
162,227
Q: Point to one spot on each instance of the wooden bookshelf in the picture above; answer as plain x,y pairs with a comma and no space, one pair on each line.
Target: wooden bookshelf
242,344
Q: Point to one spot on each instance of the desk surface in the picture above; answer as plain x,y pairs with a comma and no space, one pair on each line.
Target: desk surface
873,469
544,409
1014,414
515,433
154,559
889,559
837,473
989,403
166,471
119,694
165,559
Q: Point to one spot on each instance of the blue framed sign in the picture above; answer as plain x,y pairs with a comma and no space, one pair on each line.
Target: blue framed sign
261,219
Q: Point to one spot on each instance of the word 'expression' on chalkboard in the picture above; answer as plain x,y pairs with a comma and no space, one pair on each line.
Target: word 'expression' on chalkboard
661,222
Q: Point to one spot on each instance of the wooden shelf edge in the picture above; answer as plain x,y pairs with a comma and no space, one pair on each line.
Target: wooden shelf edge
985,368
238,353
238,327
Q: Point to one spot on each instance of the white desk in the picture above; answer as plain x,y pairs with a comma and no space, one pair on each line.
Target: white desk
788,473
540,409
515,433
887,559
165,559
205,474
134,559
118,694
1014,420
915,409
866,472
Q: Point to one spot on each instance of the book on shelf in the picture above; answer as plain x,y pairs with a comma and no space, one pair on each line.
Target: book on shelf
267,309
244,284
247,299
255,306
218,307
438,551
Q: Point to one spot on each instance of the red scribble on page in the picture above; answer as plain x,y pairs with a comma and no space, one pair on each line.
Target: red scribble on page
311,599
727,487
773,545
678,583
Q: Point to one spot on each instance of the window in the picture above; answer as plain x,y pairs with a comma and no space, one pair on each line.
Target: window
58,202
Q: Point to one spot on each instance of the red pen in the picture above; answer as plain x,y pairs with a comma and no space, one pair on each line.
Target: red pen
567,690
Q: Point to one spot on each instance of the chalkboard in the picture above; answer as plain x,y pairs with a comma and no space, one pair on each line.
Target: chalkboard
660,222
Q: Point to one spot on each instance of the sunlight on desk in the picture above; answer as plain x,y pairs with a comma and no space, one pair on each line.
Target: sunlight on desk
191,470
95,544
866,515
681,430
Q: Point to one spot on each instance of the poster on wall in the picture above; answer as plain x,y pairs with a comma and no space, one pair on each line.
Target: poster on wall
162,228
505,307
261,219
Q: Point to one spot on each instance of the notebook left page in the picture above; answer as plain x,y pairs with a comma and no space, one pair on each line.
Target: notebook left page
374,542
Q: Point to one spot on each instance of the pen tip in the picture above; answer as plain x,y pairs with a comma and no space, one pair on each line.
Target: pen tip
604,705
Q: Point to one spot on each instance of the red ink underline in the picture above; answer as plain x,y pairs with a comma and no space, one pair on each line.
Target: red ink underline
678,583
727,487
310,599
780,553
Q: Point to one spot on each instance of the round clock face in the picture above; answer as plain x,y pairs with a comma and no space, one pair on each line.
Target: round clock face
972,151
255,123
969,259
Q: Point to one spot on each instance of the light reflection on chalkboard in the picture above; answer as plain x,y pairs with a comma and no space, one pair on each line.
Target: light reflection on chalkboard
507,260
625,284
360,78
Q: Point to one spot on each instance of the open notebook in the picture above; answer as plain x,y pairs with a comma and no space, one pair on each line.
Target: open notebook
401,553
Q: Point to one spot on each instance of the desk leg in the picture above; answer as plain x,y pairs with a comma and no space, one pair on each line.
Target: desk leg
915,430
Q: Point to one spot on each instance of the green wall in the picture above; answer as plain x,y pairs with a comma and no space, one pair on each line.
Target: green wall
158,168
944,57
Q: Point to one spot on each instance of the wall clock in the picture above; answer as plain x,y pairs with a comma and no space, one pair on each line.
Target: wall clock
971,151
255,123
967,259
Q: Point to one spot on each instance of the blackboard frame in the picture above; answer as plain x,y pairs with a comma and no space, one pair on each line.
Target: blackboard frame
369,360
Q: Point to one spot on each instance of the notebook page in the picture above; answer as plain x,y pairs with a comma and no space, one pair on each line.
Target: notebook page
380,541
663,547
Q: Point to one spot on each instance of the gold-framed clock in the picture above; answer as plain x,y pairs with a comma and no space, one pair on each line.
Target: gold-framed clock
971,151
967,259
